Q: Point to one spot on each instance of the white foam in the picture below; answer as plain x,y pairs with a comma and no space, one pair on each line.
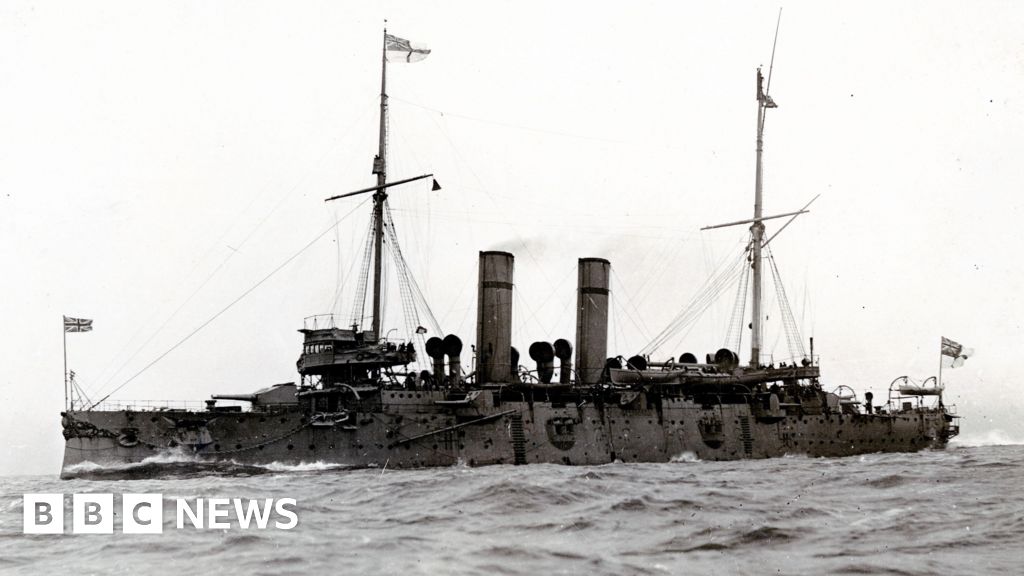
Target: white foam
317,466
994,437
685,457
179,456
168,456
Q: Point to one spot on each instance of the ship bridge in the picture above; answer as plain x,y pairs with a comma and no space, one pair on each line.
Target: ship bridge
347,354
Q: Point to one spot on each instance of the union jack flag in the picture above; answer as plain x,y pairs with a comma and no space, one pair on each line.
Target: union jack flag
77,324
402,50
956,351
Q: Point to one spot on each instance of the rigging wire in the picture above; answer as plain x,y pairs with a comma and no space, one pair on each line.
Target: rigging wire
231,304
359,304
790,327
227,230
734,335
524,303
411,297
728,271
504,124
637,320
555,290
491,197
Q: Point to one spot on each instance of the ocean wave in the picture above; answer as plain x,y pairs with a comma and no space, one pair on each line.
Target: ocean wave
888,481
937,512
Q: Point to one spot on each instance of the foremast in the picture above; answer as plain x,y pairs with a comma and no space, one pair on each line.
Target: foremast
380,196
325,348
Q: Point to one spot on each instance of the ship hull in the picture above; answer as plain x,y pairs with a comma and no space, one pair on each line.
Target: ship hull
410,430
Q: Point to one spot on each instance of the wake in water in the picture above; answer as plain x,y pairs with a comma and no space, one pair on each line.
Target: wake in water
685,457
990,438
176,463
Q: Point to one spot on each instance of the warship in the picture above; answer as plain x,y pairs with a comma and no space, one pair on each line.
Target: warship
361,401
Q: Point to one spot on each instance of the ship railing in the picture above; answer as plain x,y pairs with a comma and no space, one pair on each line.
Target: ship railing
319,322
149,405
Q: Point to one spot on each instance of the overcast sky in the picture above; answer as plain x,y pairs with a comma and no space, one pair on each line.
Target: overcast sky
160,159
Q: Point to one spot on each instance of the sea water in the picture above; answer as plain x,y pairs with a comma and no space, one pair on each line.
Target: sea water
953,511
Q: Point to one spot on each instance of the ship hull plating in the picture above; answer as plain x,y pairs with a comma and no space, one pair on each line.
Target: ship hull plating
411,431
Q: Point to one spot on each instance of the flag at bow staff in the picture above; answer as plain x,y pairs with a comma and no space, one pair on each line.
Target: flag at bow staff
954,353
400,50
77,324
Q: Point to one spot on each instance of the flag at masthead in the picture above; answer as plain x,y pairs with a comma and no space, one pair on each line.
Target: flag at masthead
395,49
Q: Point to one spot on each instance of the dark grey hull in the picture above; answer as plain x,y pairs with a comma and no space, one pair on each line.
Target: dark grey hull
410,430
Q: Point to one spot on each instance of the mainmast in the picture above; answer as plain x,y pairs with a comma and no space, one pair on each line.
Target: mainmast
381,195
764,102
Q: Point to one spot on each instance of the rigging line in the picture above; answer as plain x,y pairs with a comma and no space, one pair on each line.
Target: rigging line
233,302
359,304
780,295
410,311
708,291
734,325
335,302
405,272
620,334
410,316
771,64
706,303
458,298
734,334
651,280
544,330
793,339
691,324
551,293
696,308
360,280
642,328
288,193
491,197
164,324
629,317
614,326
339,276
425,303
681,315
506,124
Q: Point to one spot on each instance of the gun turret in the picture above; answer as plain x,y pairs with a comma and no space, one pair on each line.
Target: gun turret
277,394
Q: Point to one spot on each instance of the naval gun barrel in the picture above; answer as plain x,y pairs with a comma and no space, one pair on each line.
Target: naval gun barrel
238,397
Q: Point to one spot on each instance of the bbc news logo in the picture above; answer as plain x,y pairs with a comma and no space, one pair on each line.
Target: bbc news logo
144,513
